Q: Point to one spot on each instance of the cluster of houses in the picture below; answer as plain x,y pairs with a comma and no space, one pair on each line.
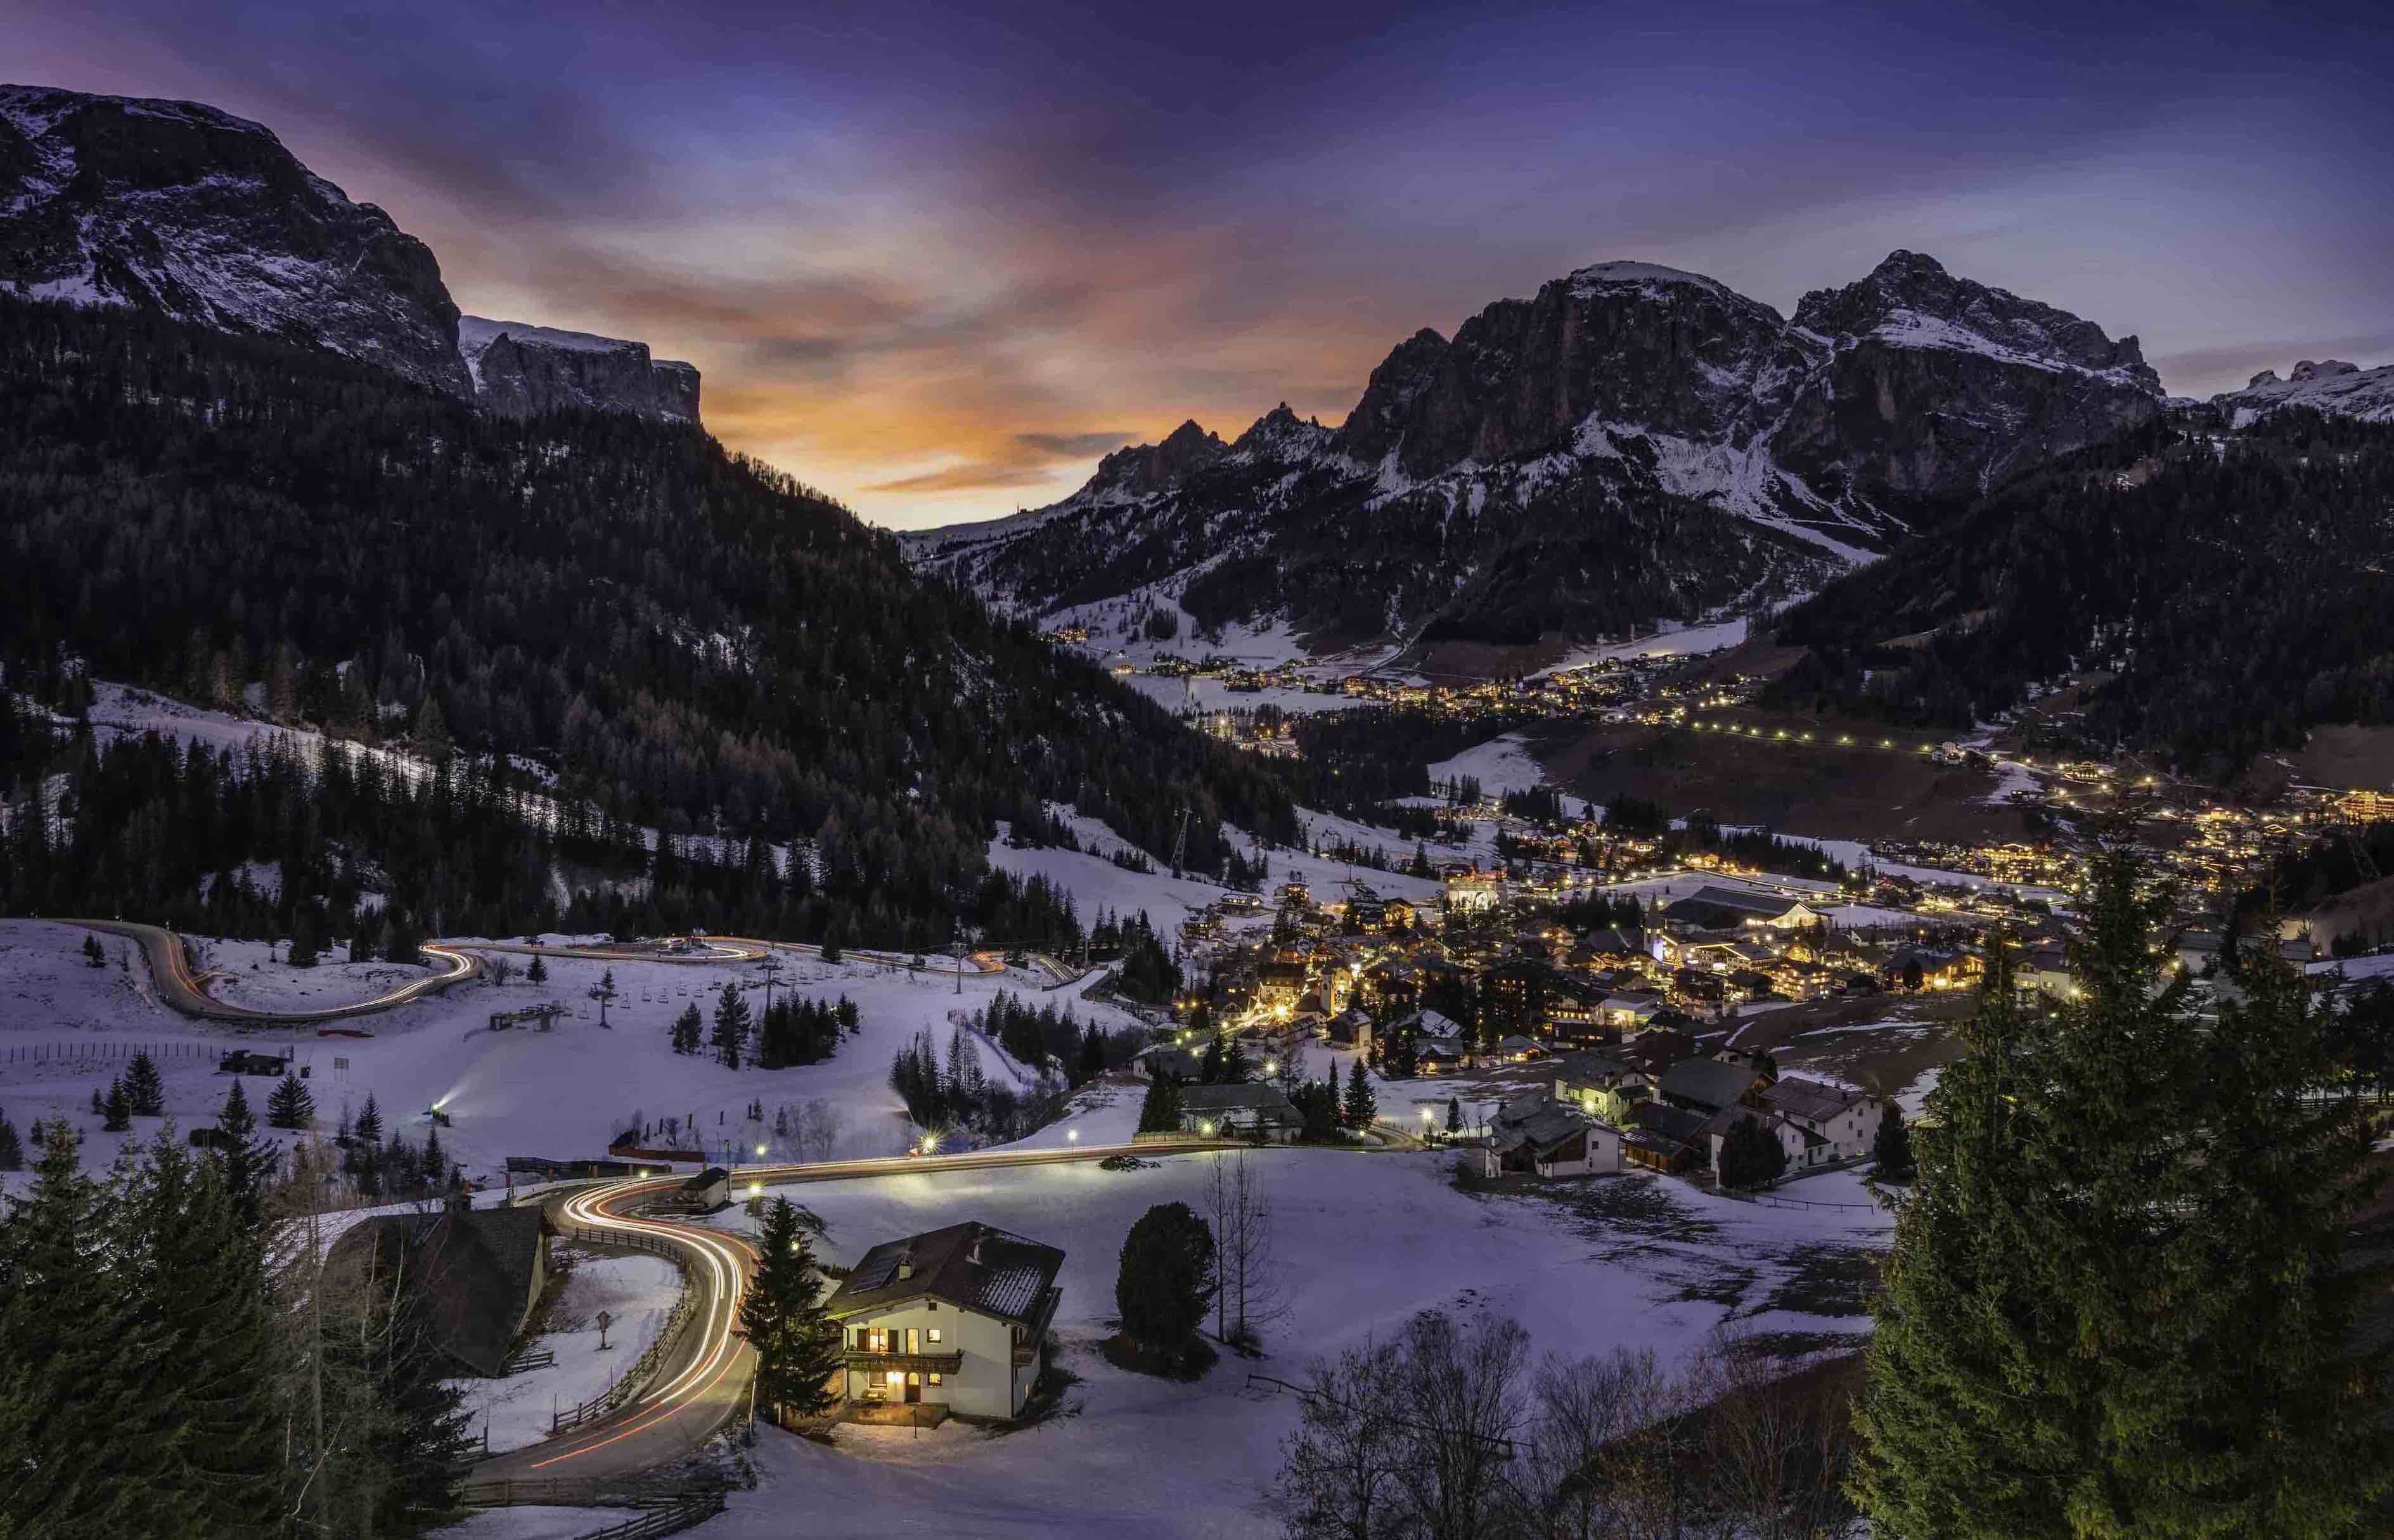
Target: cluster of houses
1607,1112
1369,968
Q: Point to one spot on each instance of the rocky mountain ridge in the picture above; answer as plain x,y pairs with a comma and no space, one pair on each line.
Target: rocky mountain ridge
1633,444
2329,386
181,208
520,370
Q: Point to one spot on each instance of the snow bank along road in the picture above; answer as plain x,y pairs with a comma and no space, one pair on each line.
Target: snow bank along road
185,990
704,1381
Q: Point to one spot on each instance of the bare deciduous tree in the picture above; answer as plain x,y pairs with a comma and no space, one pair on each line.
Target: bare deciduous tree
1252,1296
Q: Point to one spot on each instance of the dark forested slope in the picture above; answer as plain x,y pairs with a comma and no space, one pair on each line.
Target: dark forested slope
2233,586
684,637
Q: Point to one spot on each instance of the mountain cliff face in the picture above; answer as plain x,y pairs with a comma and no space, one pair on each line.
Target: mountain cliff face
177,208
520,370
2333,387
1633,444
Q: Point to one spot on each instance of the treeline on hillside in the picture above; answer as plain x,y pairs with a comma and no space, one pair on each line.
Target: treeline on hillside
1361,759
689,640
378,857
2233,586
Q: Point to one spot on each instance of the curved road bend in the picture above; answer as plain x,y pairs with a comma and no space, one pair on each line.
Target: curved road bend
180,986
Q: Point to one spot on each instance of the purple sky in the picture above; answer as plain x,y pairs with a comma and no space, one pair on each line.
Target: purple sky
936,260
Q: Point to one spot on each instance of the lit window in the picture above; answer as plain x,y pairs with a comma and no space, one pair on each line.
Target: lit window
895,1377
934,1379
933,1334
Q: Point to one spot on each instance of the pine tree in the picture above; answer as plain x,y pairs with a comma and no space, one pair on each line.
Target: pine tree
12,1153
1454,1114
538,972
686,1029
1362,1104
798,1347
246,1164
436,1162
1160,1114
117,1109
92,954
290,1106
2109,1191
143,1089
1751,1155
199,1274
1166,1278
89,1427
368,1127
731,1026
1892,1147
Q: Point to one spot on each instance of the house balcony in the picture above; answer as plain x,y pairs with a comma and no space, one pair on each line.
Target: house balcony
926,1363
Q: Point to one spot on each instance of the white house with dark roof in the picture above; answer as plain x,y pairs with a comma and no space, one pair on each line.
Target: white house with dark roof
954,1319
1841,1122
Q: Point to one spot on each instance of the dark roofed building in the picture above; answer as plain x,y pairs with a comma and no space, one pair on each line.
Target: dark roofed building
1709,1085
954,1319
1255,1108
481,1271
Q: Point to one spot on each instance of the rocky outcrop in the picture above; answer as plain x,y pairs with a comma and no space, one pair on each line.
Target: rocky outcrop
1633,444
205,216
1938,387
2331,386
1142,470
520,370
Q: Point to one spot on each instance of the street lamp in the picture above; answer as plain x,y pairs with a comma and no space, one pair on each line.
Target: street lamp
1071,1136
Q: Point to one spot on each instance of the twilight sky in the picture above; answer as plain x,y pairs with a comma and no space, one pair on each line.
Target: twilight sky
938,258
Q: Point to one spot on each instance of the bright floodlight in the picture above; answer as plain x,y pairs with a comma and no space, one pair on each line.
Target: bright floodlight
1073,1135
760,1149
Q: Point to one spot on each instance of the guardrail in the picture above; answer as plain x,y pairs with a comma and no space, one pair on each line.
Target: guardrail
581,1491
686,1514
685,1310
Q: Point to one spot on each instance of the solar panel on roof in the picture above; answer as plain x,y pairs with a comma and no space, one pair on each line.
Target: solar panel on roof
873,1273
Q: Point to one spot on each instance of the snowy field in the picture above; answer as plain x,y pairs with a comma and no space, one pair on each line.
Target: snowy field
1364,1241
638,1293
1095,882
1674,640
66,1029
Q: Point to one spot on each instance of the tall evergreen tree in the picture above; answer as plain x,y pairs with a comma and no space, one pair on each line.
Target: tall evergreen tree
116,1108
12,1151
198,1272
538,972
2110,1193
290,1106
89,1430
144,1091
1160,1114
245,1163
1362,1104
799,1352
731,1019
1892,1147
686,1030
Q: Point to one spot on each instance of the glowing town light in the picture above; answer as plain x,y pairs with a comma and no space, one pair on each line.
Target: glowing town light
1071,1136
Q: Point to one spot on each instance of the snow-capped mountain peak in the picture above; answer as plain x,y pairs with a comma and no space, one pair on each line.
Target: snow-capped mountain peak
1633,444
2329,386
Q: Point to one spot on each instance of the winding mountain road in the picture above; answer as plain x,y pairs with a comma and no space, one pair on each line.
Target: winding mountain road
184,986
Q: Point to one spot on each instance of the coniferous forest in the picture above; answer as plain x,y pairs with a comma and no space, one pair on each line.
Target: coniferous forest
613,614
2231,587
